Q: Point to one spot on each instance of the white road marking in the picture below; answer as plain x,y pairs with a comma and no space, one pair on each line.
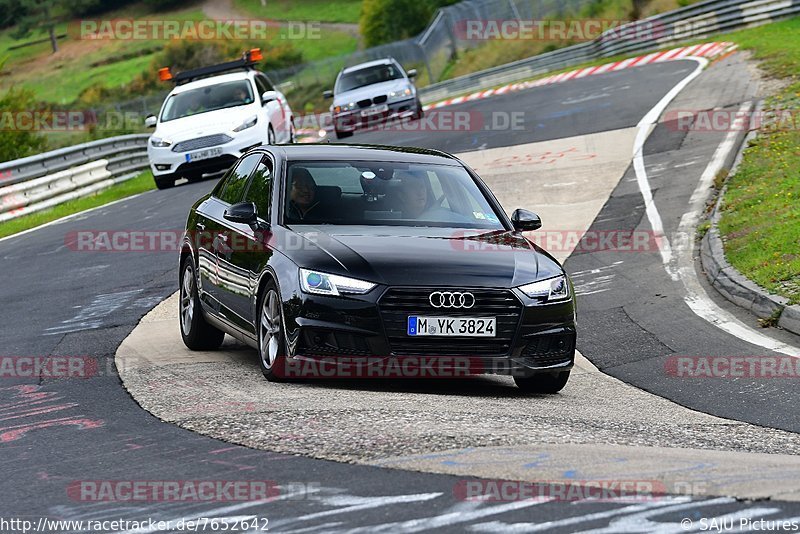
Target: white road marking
497,526
644,128
92,315
681,267
448,519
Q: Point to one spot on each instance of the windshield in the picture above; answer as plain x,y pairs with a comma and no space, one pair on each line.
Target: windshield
383,193
210,98
367,76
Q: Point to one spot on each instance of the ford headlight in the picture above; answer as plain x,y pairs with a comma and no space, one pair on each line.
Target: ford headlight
549,290
160,143
400,95
332,284
249,123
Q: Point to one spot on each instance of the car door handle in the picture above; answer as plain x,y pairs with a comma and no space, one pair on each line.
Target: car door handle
201,226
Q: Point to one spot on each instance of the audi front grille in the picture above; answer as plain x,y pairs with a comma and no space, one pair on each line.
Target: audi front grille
397,304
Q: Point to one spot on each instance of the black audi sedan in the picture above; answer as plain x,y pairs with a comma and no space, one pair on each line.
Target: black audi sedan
373,261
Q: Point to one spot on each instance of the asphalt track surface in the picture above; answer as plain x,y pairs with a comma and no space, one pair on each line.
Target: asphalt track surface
61,302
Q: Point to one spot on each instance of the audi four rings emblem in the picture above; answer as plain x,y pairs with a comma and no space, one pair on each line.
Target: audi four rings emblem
448,299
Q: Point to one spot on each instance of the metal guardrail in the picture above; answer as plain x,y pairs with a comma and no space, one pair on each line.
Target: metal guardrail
39,182
692,22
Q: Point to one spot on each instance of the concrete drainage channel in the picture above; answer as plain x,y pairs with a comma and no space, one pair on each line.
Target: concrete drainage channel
473,427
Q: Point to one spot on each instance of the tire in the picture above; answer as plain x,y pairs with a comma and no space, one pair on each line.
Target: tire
420,112
270,136
292,134
271,337
165,182
542,382
342,135
196,332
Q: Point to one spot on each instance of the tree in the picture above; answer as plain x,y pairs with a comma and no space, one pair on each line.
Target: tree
47,14
384,21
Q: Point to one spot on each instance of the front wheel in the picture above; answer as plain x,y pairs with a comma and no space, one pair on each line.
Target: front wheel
165,182
342,135
270,136
542,382
271,341
197,334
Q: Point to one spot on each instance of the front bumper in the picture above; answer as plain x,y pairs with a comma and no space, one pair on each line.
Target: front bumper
350,121
353,333
164,161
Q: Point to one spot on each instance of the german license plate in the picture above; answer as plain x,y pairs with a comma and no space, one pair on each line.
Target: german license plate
204,154
377,110
452,326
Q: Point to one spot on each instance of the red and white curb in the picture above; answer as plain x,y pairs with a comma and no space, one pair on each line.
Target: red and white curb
707,50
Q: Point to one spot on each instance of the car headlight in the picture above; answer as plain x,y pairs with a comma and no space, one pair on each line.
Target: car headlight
345,107
550,290
332,284
400,95
249,123
160,143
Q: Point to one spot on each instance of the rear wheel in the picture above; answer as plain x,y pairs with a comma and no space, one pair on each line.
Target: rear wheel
271,341
197,334
542,382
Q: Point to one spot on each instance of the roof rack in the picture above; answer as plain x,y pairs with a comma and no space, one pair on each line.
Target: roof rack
246,62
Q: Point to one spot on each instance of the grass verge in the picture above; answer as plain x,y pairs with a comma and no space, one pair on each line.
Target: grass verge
134,186
760,220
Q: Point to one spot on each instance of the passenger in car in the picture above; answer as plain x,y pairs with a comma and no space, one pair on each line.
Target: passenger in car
413,195
418,202
306,201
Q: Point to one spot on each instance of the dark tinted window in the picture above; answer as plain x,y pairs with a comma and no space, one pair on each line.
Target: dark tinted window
260,190
263,84
233,190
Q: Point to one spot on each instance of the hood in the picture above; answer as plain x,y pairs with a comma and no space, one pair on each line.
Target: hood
370,91
443,257
209,123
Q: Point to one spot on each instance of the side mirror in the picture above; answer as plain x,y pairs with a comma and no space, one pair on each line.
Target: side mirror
150,121
525,221
268,96
412,73
242,213
327,94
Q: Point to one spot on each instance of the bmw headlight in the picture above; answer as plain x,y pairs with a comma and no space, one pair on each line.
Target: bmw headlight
345,107
160,143
249,123
332,284
549,290
400,95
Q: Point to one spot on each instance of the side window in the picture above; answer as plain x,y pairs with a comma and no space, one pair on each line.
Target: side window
265,82
260,87
260,190
233,189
